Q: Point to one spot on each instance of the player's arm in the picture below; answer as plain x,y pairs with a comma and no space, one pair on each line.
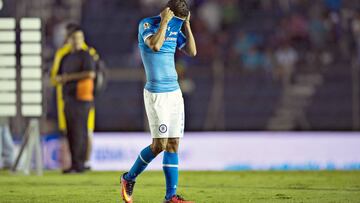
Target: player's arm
88,72
190,46
156,41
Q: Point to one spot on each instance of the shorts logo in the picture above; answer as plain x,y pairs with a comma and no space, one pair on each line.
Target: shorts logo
146,26
163,128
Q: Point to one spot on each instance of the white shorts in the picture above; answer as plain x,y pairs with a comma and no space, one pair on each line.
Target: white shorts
165,112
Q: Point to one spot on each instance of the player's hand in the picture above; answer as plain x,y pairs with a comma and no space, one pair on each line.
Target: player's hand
166,14
187,19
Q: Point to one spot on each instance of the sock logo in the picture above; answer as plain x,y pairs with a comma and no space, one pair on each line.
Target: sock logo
163,128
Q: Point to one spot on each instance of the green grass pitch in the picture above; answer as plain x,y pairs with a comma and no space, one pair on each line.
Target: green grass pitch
202,187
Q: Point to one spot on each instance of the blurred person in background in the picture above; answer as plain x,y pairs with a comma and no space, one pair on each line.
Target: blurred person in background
159,37
76,74
210,13
317,30
60,53
230,13
243,43
286,58
356,33
253,60
6,145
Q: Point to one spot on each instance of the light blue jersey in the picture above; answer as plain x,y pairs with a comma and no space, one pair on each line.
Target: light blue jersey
159,66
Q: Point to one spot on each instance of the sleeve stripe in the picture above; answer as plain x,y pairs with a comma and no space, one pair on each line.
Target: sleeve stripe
182,45
147,35
183,34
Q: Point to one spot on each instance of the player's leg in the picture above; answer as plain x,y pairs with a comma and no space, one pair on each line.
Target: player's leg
145,157
158,127
157,118
171,171
143,160
170,167
171,160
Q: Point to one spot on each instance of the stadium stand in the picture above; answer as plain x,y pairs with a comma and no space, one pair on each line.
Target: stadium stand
248,36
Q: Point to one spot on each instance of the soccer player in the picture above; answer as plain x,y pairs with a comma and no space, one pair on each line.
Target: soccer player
159,37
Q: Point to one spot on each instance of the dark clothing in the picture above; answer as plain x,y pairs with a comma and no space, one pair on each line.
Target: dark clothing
75,62
76,113
77,104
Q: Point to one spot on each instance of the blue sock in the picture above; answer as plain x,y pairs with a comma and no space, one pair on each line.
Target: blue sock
144,158
171,171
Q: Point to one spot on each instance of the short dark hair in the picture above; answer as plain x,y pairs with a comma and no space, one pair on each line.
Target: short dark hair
179,7
71,28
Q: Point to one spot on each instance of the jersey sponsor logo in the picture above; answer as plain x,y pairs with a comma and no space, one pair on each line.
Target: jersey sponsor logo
162,128
173,33
146,26
171,39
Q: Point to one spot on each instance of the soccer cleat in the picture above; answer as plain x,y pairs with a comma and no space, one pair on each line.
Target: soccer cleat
127,188
177,199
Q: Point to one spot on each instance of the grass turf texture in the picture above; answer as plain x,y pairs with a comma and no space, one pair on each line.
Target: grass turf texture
202,187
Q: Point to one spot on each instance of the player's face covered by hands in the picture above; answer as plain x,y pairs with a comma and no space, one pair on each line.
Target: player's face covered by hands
166,14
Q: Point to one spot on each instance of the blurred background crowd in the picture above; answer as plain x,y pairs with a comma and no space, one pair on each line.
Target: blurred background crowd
261,64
